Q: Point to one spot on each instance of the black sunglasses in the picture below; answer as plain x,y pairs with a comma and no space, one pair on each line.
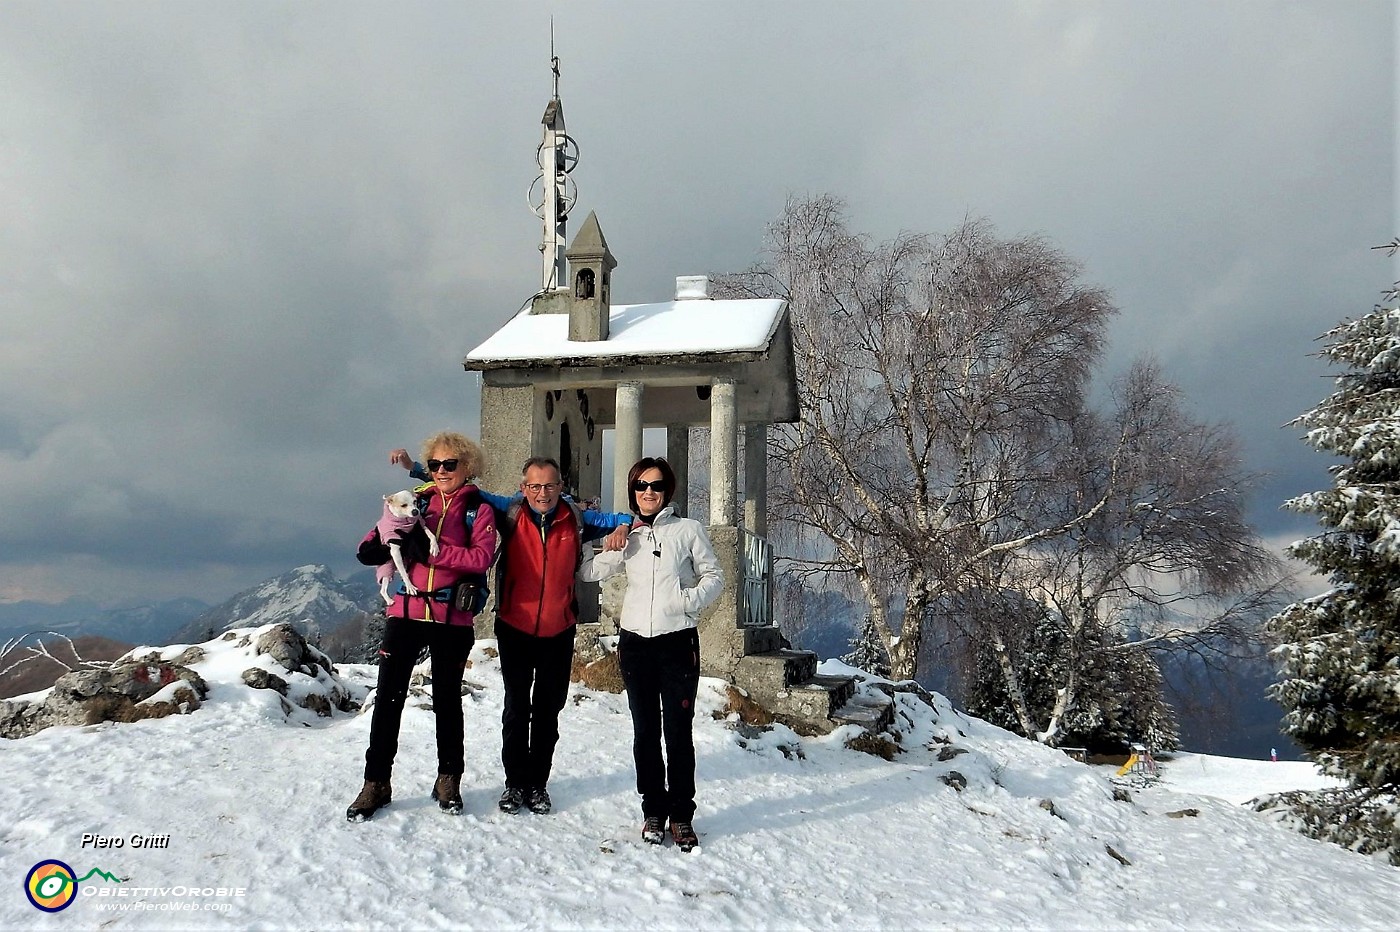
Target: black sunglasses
444,465
658,486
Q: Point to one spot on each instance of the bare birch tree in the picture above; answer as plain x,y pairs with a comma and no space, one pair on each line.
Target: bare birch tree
1169,561
947,463
939,379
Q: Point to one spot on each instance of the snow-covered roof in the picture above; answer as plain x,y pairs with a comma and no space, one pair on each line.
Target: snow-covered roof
636,331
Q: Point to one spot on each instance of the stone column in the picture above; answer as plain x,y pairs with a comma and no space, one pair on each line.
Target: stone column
511,421
627,448
678,455
756,479
724,451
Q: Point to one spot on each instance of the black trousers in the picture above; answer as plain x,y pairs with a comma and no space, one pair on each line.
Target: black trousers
535,672
404,639
662,675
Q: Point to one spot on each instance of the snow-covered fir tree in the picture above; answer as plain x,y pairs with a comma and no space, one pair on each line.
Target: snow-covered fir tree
1339,652
867,650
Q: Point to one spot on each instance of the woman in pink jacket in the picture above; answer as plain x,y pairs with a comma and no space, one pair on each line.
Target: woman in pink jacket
439,617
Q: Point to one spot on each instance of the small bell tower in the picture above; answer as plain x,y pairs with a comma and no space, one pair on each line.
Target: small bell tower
591,264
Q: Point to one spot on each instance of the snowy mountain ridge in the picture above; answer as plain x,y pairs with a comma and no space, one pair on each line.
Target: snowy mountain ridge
310,598
967,827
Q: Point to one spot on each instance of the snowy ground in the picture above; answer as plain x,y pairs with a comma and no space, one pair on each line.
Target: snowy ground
253,804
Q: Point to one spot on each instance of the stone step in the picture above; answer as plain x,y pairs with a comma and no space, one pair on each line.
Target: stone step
873,713
807,708
762,639
767,674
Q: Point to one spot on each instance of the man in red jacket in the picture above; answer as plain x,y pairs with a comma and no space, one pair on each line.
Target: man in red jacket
542,538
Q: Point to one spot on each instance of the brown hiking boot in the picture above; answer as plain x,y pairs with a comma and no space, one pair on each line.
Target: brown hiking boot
654,830
447,792
683,834
374,795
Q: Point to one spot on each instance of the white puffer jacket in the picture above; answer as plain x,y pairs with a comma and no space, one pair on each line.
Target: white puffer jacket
672,574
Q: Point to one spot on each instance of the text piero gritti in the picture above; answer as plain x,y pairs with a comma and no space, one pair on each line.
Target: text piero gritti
91,840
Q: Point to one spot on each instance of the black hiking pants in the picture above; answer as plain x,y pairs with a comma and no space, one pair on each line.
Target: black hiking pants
535,673
404,639
662,675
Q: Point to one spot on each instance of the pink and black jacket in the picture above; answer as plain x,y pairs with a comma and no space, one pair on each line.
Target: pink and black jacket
458,556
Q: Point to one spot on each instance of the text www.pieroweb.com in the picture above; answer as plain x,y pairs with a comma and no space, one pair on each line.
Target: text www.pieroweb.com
182,907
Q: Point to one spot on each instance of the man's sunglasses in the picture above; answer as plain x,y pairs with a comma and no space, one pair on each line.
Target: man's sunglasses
658,486
444,465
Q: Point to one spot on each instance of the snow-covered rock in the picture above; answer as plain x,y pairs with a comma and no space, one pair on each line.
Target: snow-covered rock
127,691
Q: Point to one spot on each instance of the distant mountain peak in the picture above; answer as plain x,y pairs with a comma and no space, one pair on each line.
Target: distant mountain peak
310,598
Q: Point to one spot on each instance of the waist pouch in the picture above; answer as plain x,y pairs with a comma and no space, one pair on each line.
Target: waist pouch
470,595
466,595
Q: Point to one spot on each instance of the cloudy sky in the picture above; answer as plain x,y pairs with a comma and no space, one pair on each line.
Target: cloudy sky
244,246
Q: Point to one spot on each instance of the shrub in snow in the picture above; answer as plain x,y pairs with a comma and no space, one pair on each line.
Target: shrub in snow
1361,819
877,745
739,706
1119,697
603,674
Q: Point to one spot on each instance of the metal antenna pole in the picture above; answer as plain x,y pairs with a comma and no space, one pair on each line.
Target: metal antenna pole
553,59
557,156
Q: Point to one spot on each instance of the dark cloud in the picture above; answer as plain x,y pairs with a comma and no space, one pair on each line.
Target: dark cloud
245,246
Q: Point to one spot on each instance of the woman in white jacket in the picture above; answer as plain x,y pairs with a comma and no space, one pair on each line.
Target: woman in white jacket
672,574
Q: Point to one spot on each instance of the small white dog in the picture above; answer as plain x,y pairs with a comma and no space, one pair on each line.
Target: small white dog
401,519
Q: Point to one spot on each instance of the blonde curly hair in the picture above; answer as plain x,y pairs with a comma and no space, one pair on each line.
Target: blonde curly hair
460,447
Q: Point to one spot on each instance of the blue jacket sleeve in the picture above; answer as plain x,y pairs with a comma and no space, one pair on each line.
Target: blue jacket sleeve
418,472
598,524
499,502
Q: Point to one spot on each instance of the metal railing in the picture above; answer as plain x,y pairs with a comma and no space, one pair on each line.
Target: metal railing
756,566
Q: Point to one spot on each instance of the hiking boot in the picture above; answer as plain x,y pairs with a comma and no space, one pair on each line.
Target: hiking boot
683,834
538,801
512,799
374,795
654,830
447,792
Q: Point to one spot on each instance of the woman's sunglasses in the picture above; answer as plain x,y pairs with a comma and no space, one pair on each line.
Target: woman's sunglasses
658,486
444,465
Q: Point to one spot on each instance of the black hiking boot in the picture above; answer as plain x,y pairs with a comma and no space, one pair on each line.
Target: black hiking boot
374,795
512,799
447,793
654,830
683,834
538,801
